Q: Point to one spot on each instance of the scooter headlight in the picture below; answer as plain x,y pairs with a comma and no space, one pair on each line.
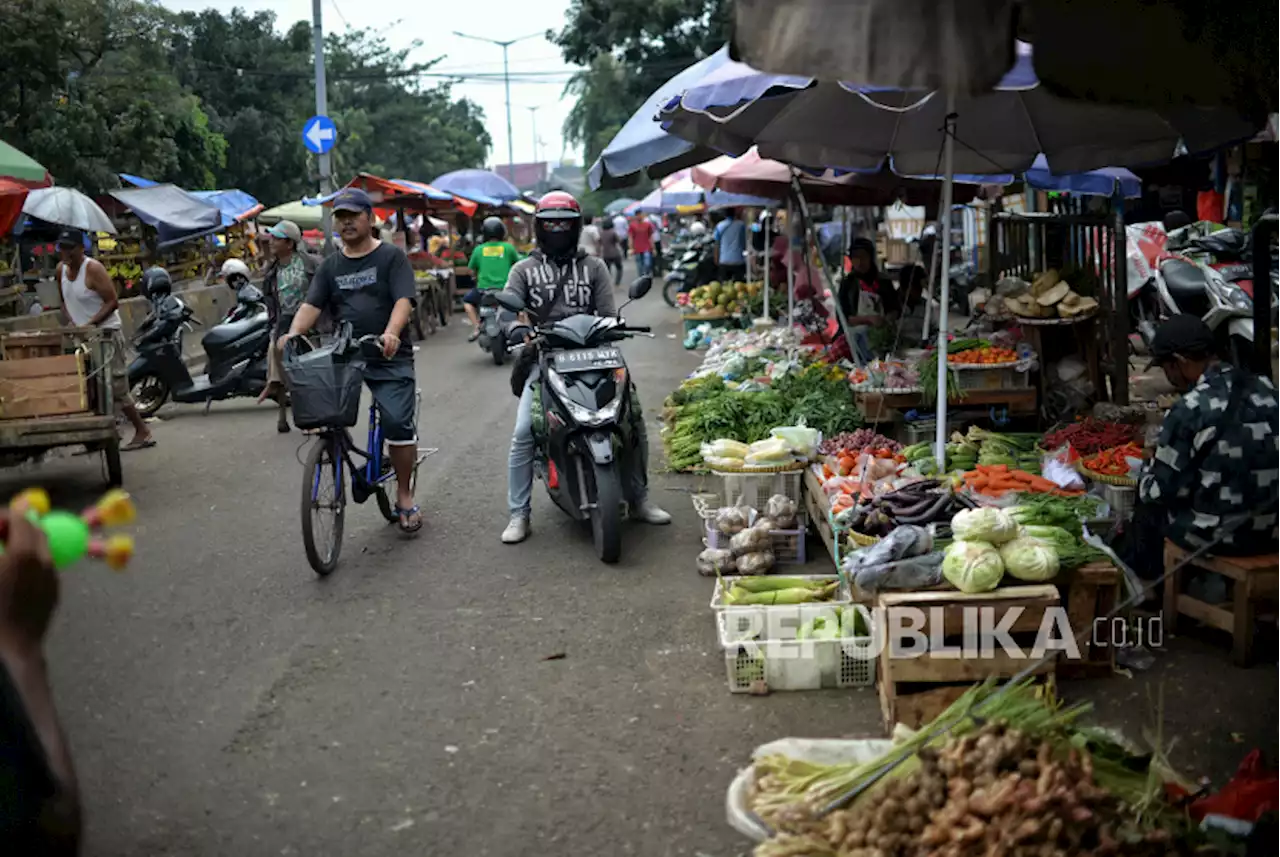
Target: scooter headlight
587,416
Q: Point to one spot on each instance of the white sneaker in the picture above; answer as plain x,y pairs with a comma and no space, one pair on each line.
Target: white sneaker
650,514
516,531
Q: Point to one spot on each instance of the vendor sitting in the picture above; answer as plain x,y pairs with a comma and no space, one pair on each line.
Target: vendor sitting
1214,473
866,297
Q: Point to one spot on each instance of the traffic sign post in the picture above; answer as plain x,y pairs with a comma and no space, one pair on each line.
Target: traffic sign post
319,134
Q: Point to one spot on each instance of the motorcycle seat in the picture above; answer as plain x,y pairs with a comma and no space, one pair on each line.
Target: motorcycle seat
1187,286
228,332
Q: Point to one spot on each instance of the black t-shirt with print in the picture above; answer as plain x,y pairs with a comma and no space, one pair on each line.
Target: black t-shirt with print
363,290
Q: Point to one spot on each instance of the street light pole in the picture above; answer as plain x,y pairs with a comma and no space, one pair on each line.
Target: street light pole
506,83
323,161
533,120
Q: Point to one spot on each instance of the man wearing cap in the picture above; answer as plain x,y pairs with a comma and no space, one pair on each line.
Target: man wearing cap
89,300
1214,473
284,285
369,285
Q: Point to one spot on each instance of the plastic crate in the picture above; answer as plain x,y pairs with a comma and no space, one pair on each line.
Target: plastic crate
755,489
786,664
994,378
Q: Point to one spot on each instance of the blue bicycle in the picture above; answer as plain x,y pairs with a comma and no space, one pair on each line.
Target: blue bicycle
324,495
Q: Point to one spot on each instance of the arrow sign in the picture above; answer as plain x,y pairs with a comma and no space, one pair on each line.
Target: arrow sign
319,134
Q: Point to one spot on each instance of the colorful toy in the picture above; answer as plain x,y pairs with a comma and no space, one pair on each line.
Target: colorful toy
72,537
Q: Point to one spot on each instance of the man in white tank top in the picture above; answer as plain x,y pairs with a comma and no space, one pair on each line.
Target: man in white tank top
89,300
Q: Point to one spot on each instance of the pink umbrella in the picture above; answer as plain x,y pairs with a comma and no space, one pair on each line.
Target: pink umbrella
752,174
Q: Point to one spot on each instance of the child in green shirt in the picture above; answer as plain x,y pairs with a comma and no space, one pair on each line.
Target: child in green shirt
491,262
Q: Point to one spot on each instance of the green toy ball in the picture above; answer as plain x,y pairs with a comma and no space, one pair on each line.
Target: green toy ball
68,537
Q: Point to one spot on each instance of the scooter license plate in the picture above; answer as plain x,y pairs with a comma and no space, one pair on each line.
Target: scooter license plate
587,359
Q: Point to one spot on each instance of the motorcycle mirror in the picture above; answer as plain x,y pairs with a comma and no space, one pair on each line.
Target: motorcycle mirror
509,301
640,288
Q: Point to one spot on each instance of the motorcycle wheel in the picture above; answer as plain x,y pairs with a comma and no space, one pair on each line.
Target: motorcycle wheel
606,515
498,349
671,291
149,393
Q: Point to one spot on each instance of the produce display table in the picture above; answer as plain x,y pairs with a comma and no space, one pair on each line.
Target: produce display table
878,407
1090,591
916,688
816,504
1254,579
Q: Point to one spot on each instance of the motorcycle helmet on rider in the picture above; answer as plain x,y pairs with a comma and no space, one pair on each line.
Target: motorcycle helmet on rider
698,229
493,229
234,270
557,225
156,282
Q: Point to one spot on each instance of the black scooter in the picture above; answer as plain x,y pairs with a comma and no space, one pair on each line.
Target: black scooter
583,425
235,348
696,266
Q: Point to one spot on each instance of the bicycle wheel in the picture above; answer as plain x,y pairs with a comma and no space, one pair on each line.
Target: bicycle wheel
323,505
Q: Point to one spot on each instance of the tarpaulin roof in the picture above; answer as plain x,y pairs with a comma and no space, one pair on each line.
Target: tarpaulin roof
305,216
481,185
22,168
414,195
12,195
175,214
235,205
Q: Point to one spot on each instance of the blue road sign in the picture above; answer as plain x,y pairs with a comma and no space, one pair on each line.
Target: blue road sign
319,134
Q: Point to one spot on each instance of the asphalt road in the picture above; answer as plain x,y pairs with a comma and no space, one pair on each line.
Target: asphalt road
445,694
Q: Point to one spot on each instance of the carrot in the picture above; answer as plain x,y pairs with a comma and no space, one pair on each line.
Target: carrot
1039,483
1006,484
979,483
1020,476
997,468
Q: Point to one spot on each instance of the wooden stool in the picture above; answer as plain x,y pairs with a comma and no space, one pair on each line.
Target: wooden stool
1253,578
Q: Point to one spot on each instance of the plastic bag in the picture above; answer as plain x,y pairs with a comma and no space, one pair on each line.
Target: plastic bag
782,510
713,561
771,451
917,572
757,562
905,541
732,520
800,439
725,448
750,540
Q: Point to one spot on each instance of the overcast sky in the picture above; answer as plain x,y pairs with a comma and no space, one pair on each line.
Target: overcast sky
434,24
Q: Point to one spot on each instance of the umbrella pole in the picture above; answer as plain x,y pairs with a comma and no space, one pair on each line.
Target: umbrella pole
765,313
944,220
791,266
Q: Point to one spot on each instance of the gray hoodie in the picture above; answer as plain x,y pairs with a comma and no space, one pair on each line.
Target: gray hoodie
552,291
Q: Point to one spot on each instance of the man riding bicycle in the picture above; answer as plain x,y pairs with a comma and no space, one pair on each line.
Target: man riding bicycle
369,284
555,281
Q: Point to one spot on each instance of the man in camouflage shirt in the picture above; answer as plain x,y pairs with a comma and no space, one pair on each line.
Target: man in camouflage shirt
1216,460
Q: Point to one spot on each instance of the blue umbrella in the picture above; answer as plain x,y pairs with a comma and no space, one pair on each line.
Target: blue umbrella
642,144
1101,182
479,185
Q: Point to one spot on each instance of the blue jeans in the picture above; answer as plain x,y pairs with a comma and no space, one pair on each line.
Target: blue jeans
644,262
523,445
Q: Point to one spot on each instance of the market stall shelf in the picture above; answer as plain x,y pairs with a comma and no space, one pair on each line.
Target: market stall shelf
1254,580
916,688
879,407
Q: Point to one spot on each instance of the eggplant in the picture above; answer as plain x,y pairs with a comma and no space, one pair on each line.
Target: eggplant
930,514
912,509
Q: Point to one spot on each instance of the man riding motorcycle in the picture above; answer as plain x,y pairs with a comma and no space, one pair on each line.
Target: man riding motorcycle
556,281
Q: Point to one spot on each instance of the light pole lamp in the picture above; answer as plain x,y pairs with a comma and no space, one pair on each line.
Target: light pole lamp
506,83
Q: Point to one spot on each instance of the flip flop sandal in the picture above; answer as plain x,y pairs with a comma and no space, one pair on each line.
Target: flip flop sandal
404,515
137,444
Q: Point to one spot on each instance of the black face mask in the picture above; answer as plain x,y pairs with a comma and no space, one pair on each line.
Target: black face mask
558,245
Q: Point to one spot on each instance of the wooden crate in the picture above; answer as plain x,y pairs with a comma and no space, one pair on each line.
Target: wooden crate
815,503
916,688
23,344
43,386
1090,592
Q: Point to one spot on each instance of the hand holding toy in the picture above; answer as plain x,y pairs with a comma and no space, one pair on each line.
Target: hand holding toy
72,537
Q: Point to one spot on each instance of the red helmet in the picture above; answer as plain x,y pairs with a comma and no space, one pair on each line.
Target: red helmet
557,224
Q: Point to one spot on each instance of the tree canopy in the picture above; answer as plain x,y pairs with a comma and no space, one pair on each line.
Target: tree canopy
209,100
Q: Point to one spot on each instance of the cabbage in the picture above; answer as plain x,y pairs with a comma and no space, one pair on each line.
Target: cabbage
972,566
1029,558
984,525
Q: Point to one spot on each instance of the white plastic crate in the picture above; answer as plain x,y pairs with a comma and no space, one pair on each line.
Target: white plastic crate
755,489
785,663
842,596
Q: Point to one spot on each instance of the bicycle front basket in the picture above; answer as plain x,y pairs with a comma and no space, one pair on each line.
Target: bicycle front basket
324,386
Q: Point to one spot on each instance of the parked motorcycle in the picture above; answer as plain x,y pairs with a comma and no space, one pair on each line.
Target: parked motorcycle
583,425
235,348
1206,275
494,320
695,267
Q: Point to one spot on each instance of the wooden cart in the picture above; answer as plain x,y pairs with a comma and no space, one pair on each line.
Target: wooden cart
55,390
